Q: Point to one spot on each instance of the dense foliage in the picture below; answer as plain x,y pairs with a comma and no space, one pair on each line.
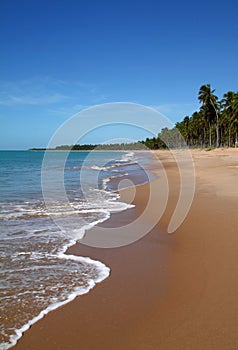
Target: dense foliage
101,147
214,125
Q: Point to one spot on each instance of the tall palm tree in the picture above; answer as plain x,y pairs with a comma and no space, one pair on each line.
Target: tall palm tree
209,108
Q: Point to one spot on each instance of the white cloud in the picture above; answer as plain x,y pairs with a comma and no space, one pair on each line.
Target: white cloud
46,91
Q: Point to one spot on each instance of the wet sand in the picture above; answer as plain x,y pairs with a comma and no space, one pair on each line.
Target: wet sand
165,291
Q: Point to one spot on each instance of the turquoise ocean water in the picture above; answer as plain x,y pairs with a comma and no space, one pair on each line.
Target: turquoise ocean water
36,274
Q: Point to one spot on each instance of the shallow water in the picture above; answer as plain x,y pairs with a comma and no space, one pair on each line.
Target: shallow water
36,274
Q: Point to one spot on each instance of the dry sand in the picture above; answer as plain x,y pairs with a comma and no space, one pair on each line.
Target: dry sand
165,291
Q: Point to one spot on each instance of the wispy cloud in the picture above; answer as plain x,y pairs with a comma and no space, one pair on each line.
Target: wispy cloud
11,100
44,91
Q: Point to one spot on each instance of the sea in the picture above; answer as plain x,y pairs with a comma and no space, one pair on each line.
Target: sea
36,274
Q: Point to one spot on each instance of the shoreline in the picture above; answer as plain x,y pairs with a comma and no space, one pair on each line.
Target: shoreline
20,332
149,302
65,254
103,273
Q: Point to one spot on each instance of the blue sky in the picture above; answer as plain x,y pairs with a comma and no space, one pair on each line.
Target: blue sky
58,57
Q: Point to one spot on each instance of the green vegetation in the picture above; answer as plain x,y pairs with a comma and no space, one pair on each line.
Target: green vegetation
214,125
101,147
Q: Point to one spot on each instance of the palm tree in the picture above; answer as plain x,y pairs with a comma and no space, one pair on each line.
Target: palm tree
227,103
230,106
235,116
209,109
198,129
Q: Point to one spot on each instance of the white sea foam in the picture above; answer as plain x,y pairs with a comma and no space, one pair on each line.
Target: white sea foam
127,157
95,167
104,273
111,205
107,180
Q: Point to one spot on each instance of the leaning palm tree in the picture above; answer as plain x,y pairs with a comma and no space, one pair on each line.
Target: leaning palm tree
209,109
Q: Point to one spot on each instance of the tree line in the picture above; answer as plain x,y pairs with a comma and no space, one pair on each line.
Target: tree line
214,125
98,147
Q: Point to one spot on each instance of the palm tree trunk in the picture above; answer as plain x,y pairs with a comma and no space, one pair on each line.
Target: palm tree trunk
217,126
218,138
210,136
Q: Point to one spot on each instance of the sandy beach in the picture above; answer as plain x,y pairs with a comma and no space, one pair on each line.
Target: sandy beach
165,292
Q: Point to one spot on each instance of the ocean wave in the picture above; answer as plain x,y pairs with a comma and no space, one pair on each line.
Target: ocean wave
104,273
